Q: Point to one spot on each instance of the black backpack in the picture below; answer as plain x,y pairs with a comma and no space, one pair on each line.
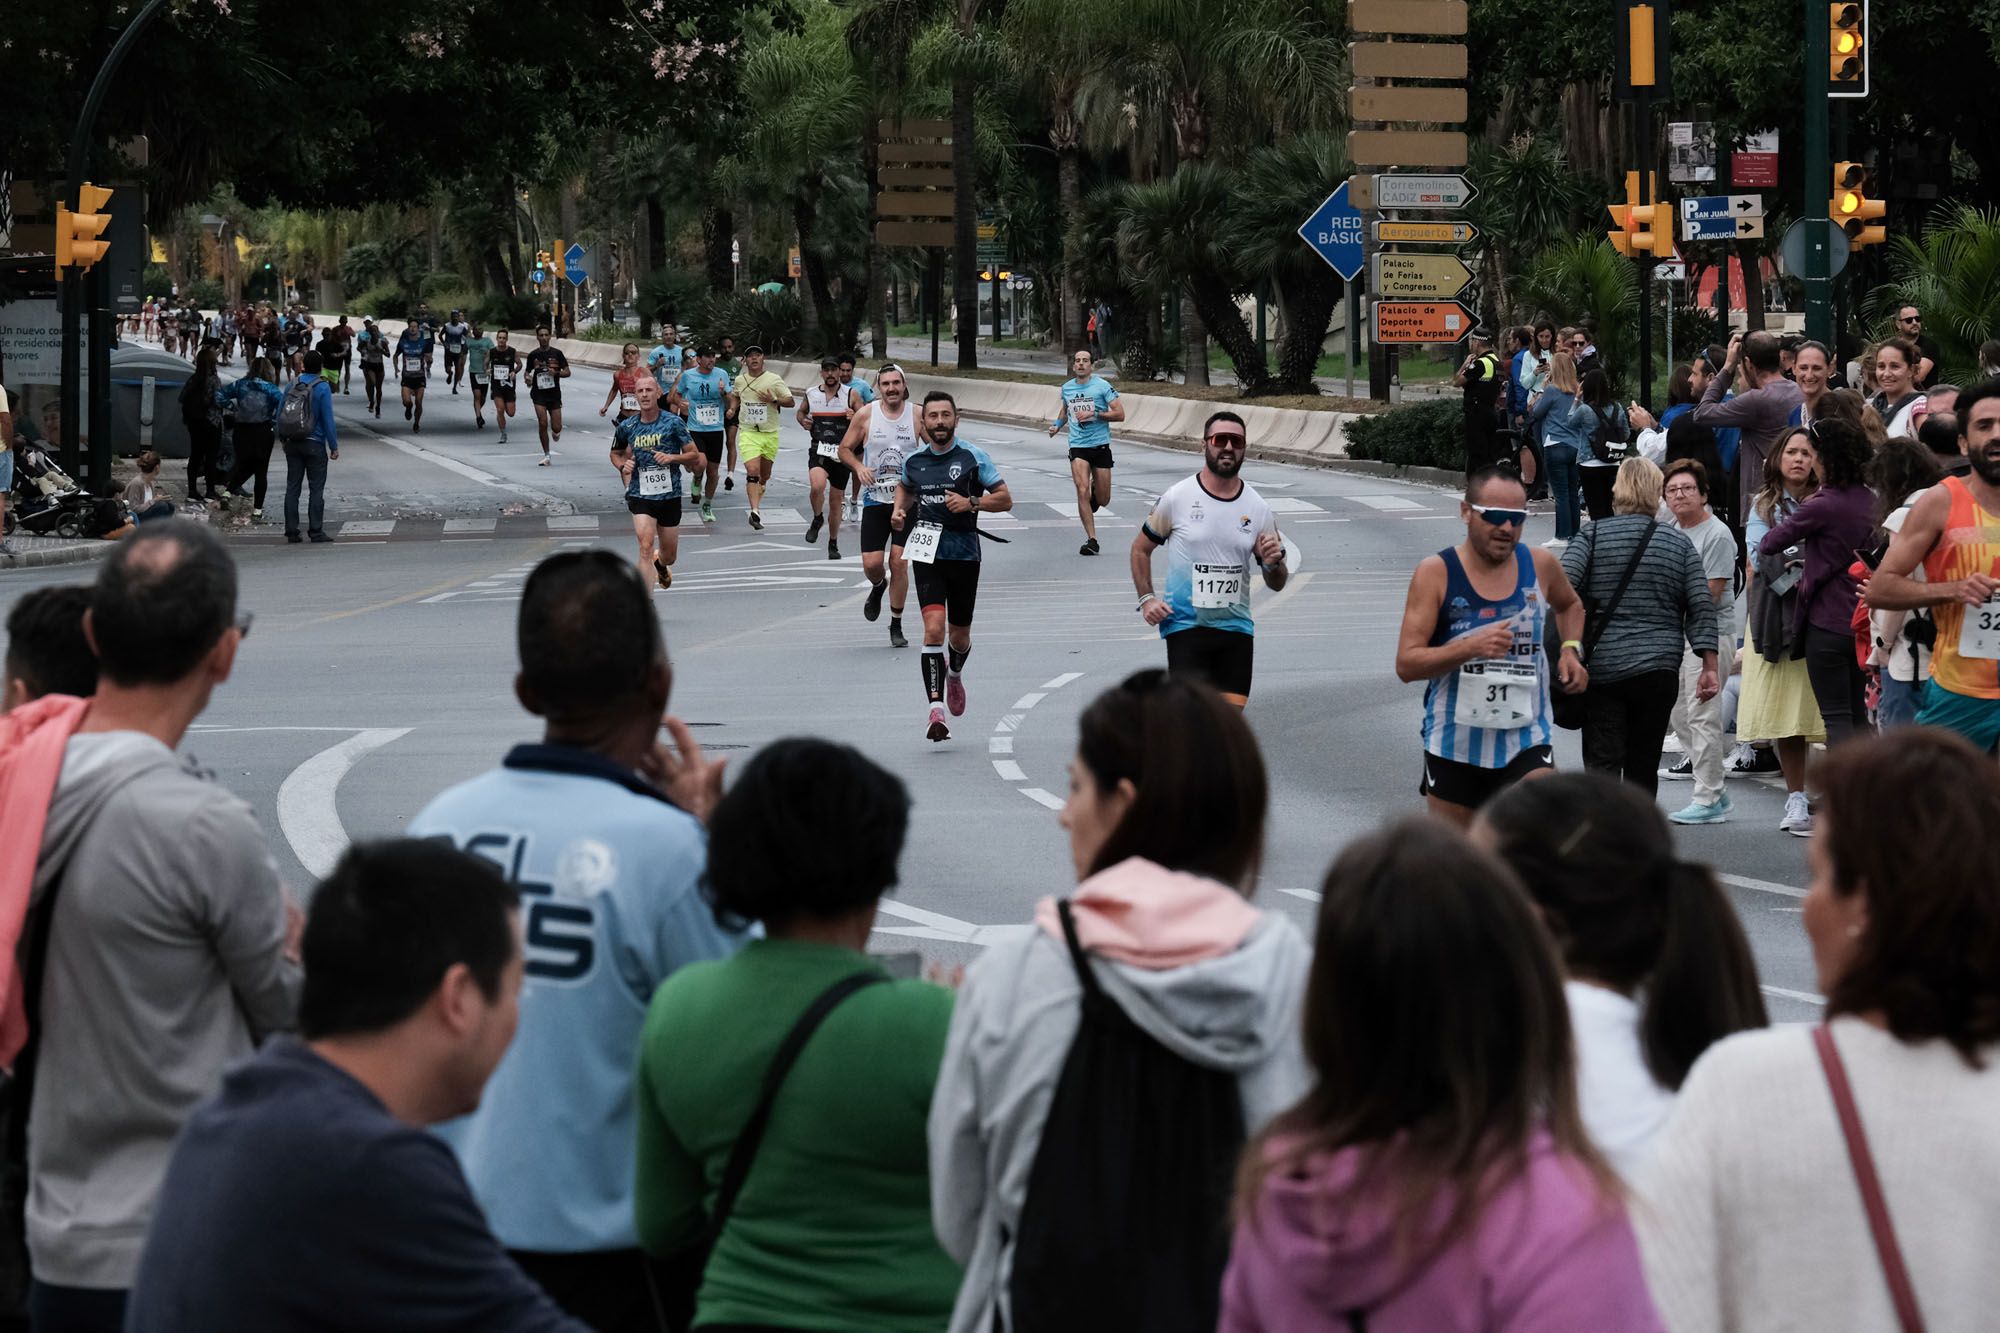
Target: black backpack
1126,1221
295,414
1610,430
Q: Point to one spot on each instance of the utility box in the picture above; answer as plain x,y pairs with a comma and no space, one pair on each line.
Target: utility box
146,401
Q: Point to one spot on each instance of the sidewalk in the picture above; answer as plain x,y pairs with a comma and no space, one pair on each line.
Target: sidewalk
35,552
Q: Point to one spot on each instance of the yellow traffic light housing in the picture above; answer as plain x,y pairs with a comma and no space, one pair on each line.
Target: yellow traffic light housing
1620,236
1847,49
1852,210
1642,224
77,243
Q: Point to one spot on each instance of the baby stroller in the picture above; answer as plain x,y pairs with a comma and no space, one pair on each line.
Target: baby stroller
46,501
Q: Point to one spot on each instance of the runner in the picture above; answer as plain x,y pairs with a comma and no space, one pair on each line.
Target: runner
477,349
944,489
1214,527
410,373
867,396
665,359
373,349
879,438
1953,532
226,327
456,334
649,449
274,342
826,413
297,336
426,324
705,395
760,391
506,364
1089,406
624,381
1472,629
547,368
343,340
733,366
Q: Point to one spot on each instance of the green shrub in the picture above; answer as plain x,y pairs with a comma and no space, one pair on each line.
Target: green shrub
204,293
385,302
612,333
771,320
365,264
1428,434
504,311
440,286
669,293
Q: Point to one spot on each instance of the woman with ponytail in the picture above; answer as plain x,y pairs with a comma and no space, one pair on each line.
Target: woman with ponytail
1657,966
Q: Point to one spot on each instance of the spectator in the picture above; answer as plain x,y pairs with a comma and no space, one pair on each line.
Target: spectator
1929,359
1635,668
1940,435
146,495
1550,422
307,1192
169,939
1600,422
1901,640
1481,376
6,470
47,649
255,400
1166,830
1587,358
306,458
1750,1216
1658,965
201,413
1777,699
831,1227
1940,400
1649,433
1438,1177
1762,411
1836,522
1989,359
1849,406
587,824
1697,722
1522,368
1810,372
1897,400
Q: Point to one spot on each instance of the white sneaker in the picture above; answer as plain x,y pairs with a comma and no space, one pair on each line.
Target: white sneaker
1798,820
1555,544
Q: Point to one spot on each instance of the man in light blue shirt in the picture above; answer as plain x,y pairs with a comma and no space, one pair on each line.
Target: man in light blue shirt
1089,406
600,827
665,359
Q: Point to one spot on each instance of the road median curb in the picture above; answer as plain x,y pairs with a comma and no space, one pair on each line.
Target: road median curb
57,555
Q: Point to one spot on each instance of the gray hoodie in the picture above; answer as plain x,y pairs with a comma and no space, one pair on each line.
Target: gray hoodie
166,964
1011,1031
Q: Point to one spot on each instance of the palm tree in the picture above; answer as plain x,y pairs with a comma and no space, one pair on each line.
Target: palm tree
879,38
1170,230
1277,186
1528,201
1952,274
1586,277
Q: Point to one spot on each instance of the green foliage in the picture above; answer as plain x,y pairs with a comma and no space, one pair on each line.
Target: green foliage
204,293
612,333
503,311
444,290
157,280
774,321
1585,278
1428,434
666,292
1951,273
387,301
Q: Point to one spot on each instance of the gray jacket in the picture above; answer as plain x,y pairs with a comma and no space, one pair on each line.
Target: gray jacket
165,965
1011,1031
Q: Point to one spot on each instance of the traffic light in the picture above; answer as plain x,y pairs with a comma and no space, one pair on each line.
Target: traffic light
1852,209
1643,226
1847,49
77,245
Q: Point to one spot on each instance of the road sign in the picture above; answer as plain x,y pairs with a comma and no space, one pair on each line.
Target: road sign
938,234
1792,250
1335,234
1704,207
1417,192
1407,148
1426,233
1437,106
576,266
1423,18
1419,322
1408,60
1420,274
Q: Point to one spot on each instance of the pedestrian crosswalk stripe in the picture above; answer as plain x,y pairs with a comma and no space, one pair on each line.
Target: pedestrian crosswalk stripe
572,522
368,527
1286,504
1067,508
1386,502
470,524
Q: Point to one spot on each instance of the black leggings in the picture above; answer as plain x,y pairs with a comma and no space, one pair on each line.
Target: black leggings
204,443
253,458
1838,685
1624,723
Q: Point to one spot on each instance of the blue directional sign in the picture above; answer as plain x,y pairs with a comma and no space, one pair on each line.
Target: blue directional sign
1722,217
573,265
1336,234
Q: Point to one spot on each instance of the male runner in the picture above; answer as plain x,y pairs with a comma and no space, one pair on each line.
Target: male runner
1214,527
867,396
456,334
761,393
426,324
826,413
943,491
343,339
547,368
1089,406
373,349
477,349
733,365
506,365
1472,629
665,359
705,395
879,438
649,449
1953,531
226,326
410,373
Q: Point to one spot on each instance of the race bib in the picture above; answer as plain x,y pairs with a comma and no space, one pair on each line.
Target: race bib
545,379
503,374
922,546
757,415
1217,587
628,402
884,489
708,415
654,482
827,449
1082,410
1979,632
1497,694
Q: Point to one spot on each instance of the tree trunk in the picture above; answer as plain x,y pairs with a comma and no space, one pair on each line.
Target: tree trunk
656,234
815,313
1308,305
1194,342
1210,302
1069,190
511,211
965,234
1753,284
718,233
877,266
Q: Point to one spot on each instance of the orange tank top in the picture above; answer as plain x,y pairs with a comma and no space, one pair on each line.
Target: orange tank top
1969,544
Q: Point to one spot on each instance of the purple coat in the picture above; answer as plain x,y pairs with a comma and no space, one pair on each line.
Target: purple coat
1834,523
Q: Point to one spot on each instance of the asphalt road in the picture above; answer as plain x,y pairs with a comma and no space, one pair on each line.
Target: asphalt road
380,667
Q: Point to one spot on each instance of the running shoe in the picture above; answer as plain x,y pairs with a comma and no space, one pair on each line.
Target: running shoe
1798,820
407,409
1697,813
729,483
708,511
1682,769
544,462
872,608
1088,548
416,428
813,528
756,520
954,694
896,639
938,731
832,549
663,574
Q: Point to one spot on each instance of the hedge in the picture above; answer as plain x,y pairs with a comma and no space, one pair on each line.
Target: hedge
1427,434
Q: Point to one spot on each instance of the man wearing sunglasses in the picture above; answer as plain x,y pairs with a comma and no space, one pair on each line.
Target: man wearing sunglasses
1473,632
1214,526
1910,324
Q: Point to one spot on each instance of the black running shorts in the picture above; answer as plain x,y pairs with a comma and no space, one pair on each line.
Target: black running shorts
665,510
951,584
875,530
1472,786
1220,657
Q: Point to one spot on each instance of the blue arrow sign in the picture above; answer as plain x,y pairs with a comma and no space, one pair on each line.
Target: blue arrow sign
1335,233
573,268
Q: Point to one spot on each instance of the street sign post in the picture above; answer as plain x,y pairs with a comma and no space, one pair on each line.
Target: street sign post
1423,192
1418,273
576,264
1335,233
1722,217
1426,233
1422,322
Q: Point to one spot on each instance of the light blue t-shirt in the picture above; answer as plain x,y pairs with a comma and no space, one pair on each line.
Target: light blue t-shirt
707,397
862,388
1211,554
609,874
665,363
1098,393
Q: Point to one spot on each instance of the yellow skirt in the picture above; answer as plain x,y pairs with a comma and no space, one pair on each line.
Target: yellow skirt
1777,699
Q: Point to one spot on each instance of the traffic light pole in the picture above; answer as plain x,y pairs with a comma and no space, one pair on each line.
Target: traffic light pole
1646,261
1818,175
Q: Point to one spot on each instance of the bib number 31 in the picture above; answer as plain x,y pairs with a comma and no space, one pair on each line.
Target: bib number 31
1498,694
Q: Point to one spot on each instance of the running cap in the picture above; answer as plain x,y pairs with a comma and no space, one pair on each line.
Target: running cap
828,362
754,349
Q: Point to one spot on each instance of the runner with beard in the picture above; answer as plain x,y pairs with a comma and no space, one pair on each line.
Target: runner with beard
373,349
881,435
1215,528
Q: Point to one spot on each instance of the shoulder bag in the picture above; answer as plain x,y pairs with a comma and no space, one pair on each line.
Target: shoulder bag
682,1278
1566,709
1901,1293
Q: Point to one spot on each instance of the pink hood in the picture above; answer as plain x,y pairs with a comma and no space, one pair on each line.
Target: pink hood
33,738
1147,916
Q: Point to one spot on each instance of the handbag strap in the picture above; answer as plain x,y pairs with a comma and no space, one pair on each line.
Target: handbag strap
1901,1293
1592,633
744,1152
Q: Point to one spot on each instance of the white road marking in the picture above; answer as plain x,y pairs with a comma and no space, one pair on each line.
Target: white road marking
1803,997
1062,680
1040,797
999,745
1385,502
306,812
1027,701
1761,885
1284,594
1310,895
471,524
572,522
368,527
466,470
1067,508
1291,504
1009,771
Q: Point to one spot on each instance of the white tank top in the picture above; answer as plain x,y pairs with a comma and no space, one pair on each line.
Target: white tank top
890,441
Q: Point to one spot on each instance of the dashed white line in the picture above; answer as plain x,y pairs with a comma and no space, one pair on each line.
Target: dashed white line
1761,885
1040,797
1027,701
1009,771
999,745
1061,680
